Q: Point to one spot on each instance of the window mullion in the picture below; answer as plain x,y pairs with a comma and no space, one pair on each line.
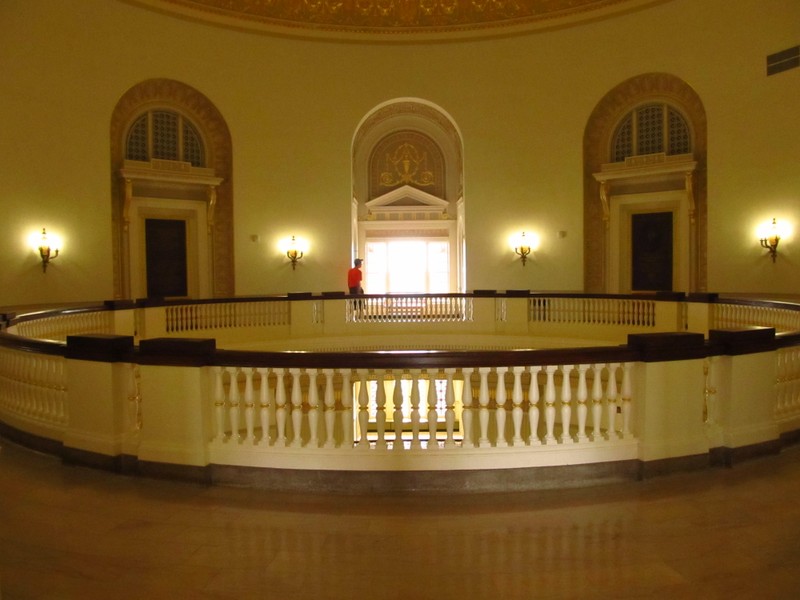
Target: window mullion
150,135
181,154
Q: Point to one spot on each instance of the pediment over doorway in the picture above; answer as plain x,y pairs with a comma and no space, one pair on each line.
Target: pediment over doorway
408,201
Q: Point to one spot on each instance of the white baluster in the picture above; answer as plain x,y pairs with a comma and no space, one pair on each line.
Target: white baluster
264,402
533,406
313,409
415,416
134,402
626,401
500,403
597,401
380,410
329,399
397,415
433,418
550,404
466,408
582,395
363,410
450,413
233,404
297,410
483,411
566,407
249,406
611,401
348,419
516,401
280,408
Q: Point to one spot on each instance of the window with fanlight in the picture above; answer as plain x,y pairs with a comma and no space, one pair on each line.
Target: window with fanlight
651,128
165,135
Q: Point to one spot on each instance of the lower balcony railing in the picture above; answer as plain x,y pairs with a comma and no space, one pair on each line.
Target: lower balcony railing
183,403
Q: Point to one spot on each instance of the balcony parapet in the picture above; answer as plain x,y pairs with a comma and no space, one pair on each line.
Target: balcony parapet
671,393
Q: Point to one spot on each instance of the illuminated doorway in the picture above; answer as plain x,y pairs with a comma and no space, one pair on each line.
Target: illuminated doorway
407,266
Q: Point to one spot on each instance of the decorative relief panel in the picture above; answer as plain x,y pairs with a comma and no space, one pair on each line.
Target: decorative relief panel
394,16
407,158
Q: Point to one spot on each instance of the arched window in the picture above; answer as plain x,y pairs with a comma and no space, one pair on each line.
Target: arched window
651,129
166,135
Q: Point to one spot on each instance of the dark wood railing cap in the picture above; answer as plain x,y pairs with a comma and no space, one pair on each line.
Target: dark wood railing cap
100,347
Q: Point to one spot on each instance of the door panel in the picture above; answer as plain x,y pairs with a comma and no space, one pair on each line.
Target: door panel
165,258
651,251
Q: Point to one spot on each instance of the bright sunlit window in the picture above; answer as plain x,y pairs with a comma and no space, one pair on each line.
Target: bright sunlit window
407,266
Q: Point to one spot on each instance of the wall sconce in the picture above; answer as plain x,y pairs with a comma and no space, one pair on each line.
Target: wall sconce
295,250
47,247
770,236
524,245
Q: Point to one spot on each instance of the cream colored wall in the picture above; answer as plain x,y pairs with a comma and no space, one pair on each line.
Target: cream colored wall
521,104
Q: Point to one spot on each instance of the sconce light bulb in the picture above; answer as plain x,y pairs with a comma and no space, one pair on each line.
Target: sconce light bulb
771,238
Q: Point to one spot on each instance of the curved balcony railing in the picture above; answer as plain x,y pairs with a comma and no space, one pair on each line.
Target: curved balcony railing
460,383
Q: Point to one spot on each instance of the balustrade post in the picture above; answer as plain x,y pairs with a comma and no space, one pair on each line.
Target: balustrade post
450,413
626,401
219,405
433,419
550,404
566,407
363,410
581,396
533,406
516,400
313,409
329,401
265,400
466,408
249,406
297,409
380,410
397,415
597,401
611,401
280,407
134,400
415,410
92,382
348,419
500,403
747,390
233,404
483,402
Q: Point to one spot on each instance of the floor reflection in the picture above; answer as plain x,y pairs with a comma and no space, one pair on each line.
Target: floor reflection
70,532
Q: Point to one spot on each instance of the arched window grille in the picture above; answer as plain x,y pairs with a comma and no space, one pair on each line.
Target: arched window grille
165,135
650,129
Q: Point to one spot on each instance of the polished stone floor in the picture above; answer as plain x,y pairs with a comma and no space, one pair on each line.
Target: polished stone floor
71,532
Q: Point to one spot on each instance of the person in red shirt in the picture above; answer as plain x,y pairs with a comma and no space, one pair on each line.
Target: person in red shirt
354,278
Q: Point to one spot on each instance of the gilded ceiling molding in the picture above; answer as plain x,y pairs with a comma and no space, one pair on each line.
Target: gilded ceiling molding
596,142
201,111
393,18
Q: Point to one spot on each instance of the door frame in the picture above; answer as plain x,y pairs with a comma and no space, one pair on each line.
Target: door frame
622,208
198,263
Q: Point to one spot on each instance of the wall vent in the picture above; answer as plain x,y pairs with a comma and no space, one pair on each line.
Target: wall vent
783,61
